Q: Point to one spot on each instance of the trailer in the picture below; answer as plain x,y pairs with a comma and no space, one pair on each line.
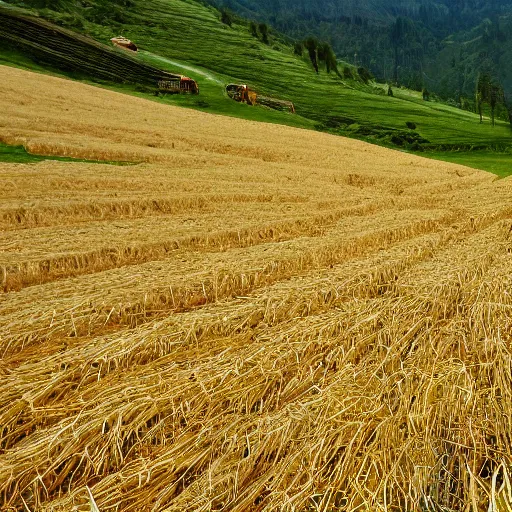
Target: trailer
180,84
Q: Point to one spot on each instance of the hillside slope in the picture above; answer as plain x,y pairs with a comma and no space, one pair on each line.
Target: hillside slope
449,15
190,33
70,51
462,56
255,318
449,43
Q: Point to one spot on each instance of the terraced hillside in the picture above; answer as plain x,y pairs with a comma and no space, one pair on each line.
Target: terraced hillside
250,318
71,51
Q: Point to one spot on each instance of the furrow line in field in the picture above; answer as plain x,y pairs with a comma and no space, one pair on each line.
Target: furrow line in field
29,217
16,276
76,368
168,291
281,303
120,298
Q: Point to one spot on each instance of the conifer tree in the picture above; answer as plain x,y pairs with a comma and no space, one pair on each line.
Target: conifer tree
311,45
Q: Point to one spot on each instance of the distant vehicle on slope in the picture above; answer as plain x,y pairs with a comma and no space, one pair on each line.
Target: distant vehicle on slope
180,84
243,94
123,42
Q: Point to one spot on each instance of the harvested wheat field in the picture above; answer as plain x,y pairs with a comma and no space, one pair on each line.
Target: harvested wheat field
249,318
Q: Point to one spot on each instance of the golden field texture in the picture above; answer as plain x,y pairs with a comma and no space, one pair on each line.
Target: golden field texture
250,318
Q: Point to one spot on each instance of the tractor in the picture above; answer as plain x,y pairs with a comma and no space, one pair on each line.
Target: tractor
242,93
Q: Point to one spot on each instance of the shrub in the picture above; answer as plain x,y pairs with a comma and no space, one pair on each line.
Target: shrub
264,32
226,17
364,74
416,147
298,48
410,125
397,140
347,73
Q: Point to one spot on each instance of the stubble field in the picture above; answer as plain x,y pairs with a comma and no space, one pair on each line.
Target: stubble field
250,318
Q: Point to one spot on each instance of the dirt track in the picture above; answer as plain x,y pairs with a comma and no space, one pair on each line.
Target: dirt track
195,69
253,317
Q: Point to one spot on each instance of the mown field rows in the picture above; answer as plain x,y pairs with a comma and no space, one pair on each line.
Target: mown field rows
312,325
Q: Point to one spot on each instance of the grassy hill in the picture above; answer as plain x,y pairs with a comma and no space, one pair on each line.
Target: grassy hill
364,28
187,36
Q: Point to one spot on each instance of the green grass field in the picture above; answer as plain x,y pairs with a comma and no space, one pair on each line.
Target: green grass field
186,36
495,162
18,154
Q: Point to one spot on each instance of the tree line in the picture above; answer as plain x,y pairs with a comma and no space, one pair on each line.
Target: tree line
318,52
490,91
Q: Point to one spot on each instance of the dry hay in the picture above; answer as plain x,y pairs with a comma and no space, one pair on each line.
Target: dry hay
256,319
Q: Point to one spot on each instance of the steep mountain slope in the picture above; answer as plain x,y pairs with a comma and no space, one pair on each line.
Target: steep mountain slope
487,47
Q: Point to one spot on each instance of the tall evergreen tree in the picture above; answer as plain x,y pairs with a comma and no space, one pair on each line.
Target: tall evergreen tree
327,56
407,46
483,92
311,45
226,17
398,37
298,48
495,98
490,91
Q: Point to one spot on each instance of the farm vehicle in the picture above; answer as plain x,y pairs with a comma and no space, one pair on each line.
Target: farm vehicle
124,43
180,84
243,94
